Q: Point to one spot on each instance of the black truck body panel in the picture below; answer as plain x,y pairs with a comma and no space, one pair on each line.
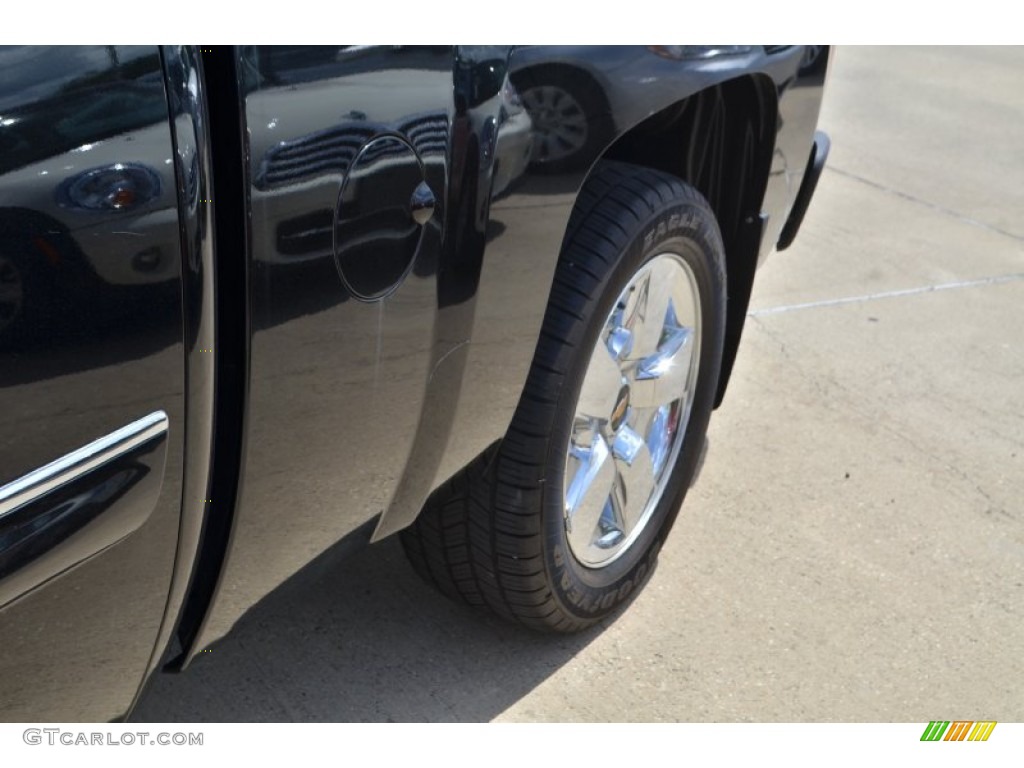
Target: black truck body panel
221,236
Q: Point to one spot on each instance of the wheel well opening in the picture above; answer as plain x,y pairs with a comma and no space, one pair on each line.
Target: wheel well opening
720,141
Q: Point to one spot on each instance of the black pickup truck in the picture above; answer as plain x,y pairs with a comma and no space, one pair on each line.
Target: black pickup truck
257,300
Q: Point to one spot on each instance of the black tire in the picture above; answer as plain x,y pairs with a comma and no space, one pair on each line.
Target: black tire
584,92
495,535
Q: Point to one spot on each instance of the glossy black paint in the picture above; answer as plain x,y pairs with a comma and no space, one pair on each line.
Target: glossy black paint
336,383
231,323
78,520
375,236
363,240
89,220
364,398
816,164
203,526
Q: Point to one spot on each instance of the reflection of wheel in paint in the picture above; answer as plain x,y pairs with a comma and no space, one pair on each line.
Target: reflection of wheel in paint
560,123
569,114
12,294
560,523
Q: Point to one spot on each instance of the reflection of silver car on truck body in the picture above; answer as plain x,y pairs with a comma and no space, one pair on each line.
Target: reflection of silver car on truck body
117,208
301,170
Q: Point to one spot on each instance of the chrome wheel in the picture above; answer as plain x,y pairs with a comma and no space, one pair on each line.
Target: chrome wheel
559,122
632,410
12,292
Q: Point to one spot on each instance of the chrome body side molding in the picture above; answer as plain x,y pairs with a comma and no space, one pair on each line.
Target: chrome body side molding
78,463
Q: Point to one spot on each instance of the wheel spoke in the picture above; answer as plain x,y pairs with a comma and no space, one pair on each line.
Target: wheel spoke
660,431
635,479
601,385
538,97
568,136
563,143
634,308
647,319
627,445
574,121
620,342
588,493
611,528
664,376
584,430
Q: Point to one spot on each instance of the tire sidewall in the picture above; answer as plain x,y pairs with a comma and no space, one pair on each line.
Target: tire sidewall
688,230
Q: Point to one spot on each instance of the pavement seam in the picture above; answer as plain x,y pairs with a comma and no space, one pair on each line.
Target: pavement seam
933,206
995,280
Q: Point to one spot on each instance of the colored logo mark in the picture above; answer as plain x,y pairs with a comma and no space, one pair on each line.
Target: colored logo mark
958,730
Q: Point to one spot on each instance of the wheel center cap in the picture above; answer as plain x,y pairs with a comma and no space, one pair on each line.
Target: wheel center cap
621,409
